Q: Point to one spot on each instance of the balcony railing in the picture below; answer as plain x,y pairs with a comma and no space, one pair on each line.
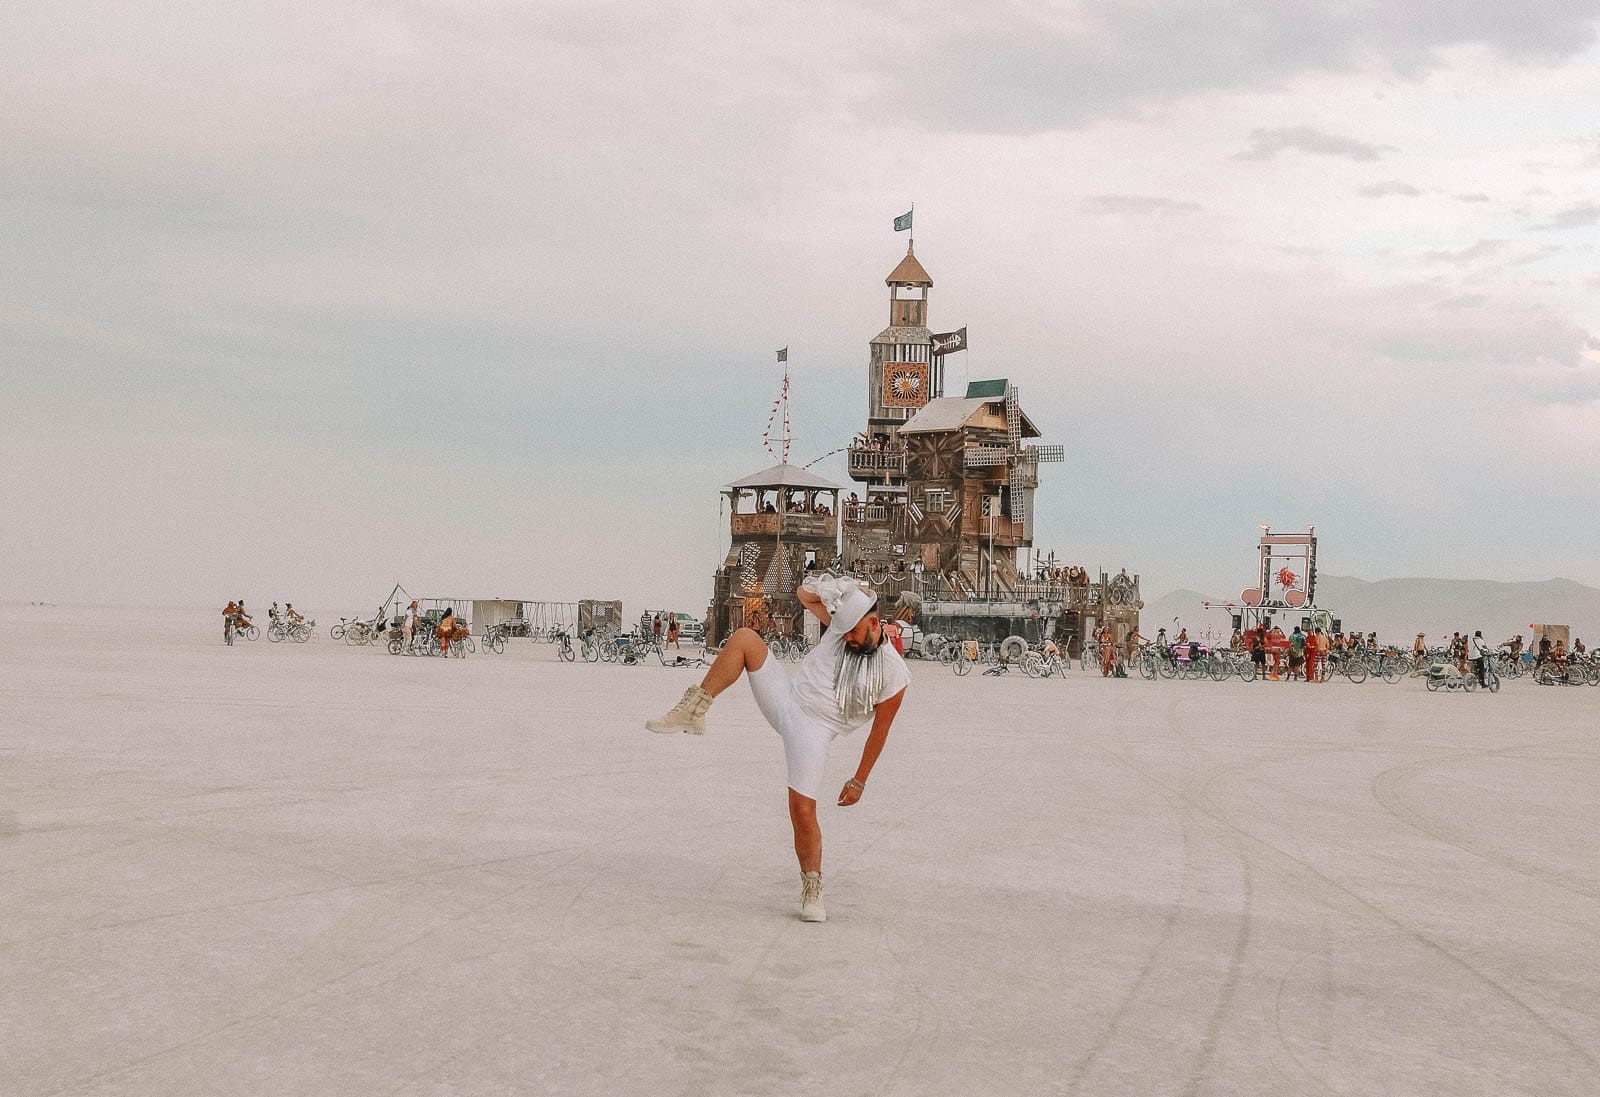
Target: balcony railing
821,526
874,462
866,512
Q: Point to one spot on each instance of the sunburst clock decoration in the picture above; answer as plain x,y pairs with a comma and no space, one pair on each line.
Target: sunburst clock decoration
905,385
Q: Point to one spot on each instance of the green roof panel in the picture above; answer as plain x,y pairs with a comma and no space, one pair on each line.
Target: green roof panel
986,390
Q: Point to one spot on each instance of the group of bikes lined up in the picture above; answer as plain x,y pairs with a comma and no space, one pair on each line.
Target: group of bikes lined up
629,649
1439,669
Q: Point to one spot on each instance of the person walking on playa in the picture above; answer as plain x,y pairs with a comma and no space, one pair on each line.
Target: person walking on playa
850,678
408,625
655,631
672,632
1316,644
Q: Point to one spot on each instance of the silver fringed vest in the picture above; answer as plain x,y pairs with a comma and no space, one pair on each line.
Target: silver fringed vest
858,684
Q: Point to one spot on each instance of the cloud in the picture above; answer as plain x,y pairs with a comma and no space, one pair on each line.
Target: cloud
1470,197
1137,204
1267,143
1462,301
1536,255
1578,216
1022,68
1392,188
1481,250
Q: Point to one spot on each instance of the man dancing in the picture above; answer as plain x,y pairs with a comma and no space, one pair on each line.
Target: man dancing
850,677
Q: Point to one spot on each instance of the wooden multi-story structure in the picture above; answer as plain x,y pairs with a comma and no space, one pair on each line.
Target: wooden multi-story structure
943,506
782,521
945,502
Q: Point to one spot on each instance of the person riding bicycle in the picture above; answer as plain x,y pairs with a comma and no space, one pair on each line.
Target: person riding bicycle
230,618
1480,657
293,614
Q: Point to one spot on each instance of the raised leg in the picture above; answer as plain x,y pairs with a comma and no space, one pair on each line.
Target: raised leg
745,650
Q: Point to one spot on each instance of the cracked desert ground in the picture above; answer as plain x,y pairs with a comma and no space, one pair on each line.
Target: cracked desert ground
320,870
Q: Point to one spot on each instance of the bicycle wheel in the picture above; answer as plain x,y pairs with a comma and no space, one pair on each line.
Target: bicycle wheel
1218,669
396,646
1147,668
1470,683
1434,681
1494,682
497,644
301,634
1392,672
566,654
251,633
1356,670
275,633
1030,665
1167,668
591,651
336,632
961,665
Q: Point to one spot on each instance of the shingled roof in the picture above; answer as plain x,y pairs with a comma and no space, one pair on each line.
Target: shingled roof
909,272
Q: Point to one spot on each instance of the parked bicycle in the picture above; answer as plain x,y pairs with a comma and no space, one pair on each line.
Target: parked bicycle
562,639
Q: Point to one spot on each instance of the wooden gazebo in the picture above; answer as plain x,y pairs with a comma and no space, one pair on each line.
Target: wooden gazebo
782,521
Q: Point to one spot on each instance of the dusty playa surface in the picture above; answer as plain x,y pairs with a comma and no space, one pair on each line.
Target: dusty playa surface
280,869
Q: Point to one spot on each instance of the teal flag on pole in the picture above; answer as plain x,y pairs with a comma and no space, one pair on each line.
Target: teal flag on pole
903,222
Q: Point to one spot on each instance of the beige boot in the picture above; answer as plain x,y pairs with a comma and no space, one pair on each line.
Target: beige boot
688,715
811,908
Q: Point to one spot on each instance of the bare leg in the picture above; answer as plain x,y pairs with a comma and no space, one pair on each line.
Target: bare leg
745,650
807,834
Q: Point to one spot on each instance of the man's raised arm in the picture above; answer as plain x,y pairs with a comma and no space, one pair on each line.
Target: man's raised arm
812,601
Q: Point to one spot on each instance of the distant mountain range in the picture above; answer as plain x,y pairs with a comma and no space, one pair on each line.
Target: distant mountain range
1397,609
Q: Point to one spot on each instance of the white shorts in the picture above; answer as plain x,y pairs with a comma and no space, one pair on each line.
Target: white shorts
805,741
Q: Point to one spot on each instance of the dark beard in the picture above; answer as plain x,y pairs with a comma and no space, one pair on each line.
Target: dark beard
866,647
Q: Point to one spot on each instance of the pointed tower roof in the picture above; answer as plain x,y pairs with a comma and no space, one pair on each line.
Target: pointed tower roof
909,272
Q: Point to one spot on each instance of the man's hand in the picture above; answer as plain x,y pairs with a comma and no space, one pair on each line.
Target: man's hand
851,793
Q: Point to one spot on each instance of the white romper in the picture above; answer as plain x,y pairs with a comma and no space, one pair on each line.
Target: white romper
803,710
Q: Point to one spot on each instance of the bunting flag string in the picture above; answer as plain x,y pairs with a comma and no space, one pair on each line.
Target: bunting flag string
782,402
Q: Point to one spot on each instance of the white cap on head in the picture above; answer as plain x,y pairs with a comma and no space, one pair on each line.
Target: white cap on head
852,608
846,600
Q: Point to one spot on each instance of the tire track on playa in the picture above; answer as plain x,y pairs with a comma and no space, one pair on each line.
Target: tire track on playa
1304,877
1168,931
1087,1061
1230,987
1305,1073
1390,789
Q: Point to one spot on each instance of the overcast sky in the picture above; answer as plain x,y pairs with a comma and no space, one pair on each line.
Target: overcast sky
300,300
